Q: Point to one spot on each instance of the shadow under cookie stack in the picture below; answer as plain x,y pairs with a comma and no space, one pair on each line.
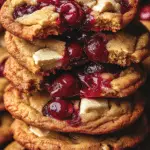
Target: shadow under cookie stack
74,85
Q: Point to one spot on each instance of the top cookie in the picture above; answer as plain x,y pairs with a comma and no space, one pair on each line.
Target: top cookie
40,18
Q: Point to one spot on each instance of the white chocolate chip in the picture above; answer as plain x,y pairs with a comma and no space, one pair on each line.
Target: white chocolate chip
105,147
107,5
46,56
93,105
38,132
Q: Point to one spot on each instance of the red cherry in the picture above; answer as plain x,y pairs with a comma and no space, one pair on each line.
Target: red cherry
24,9
96,49
71,12
58,109
94,81
65,85
93,85
2,68
2,2
74,51
125,6
145,12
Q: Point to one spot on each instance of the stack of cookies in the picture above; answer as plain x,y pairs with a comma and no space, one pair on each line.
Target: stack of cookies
5,118
75,72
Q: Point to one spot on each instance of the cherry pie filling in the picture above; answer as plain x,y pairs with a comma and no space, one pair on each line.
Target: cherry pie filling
145,12
72,14
88,81
2,2
2,64
82,48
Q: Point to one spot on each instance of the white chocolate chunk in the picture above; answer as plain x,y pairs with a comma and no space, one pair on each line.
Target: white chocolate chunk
105,147
38,132
47,57
106,5
43,17
92,105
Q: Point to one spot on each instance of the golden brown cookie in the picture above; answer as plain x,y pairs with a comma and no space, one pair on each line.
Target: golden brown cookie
39,139
45,19
3,84
49,54
5,132
121,81
14,146
92,116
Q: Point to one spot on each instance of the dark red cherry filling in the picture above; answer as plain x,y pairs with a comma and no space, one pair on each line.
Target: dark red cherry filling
75,54
145,12
94,84
59,109
2,64
95,48
94,81
74,50
71,12
2,2
24,9
125,6
91,80
62,110
65,85
72,15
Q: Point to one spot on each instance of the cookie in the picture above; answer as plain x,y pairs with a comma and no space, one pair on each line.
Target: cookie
3,84
51,53
91,116
39,139
112,80
5,132
38,19
14,146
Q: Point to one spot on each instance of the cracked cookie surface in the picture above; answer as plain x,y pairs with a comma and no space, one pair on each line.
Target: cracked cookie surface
124,139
